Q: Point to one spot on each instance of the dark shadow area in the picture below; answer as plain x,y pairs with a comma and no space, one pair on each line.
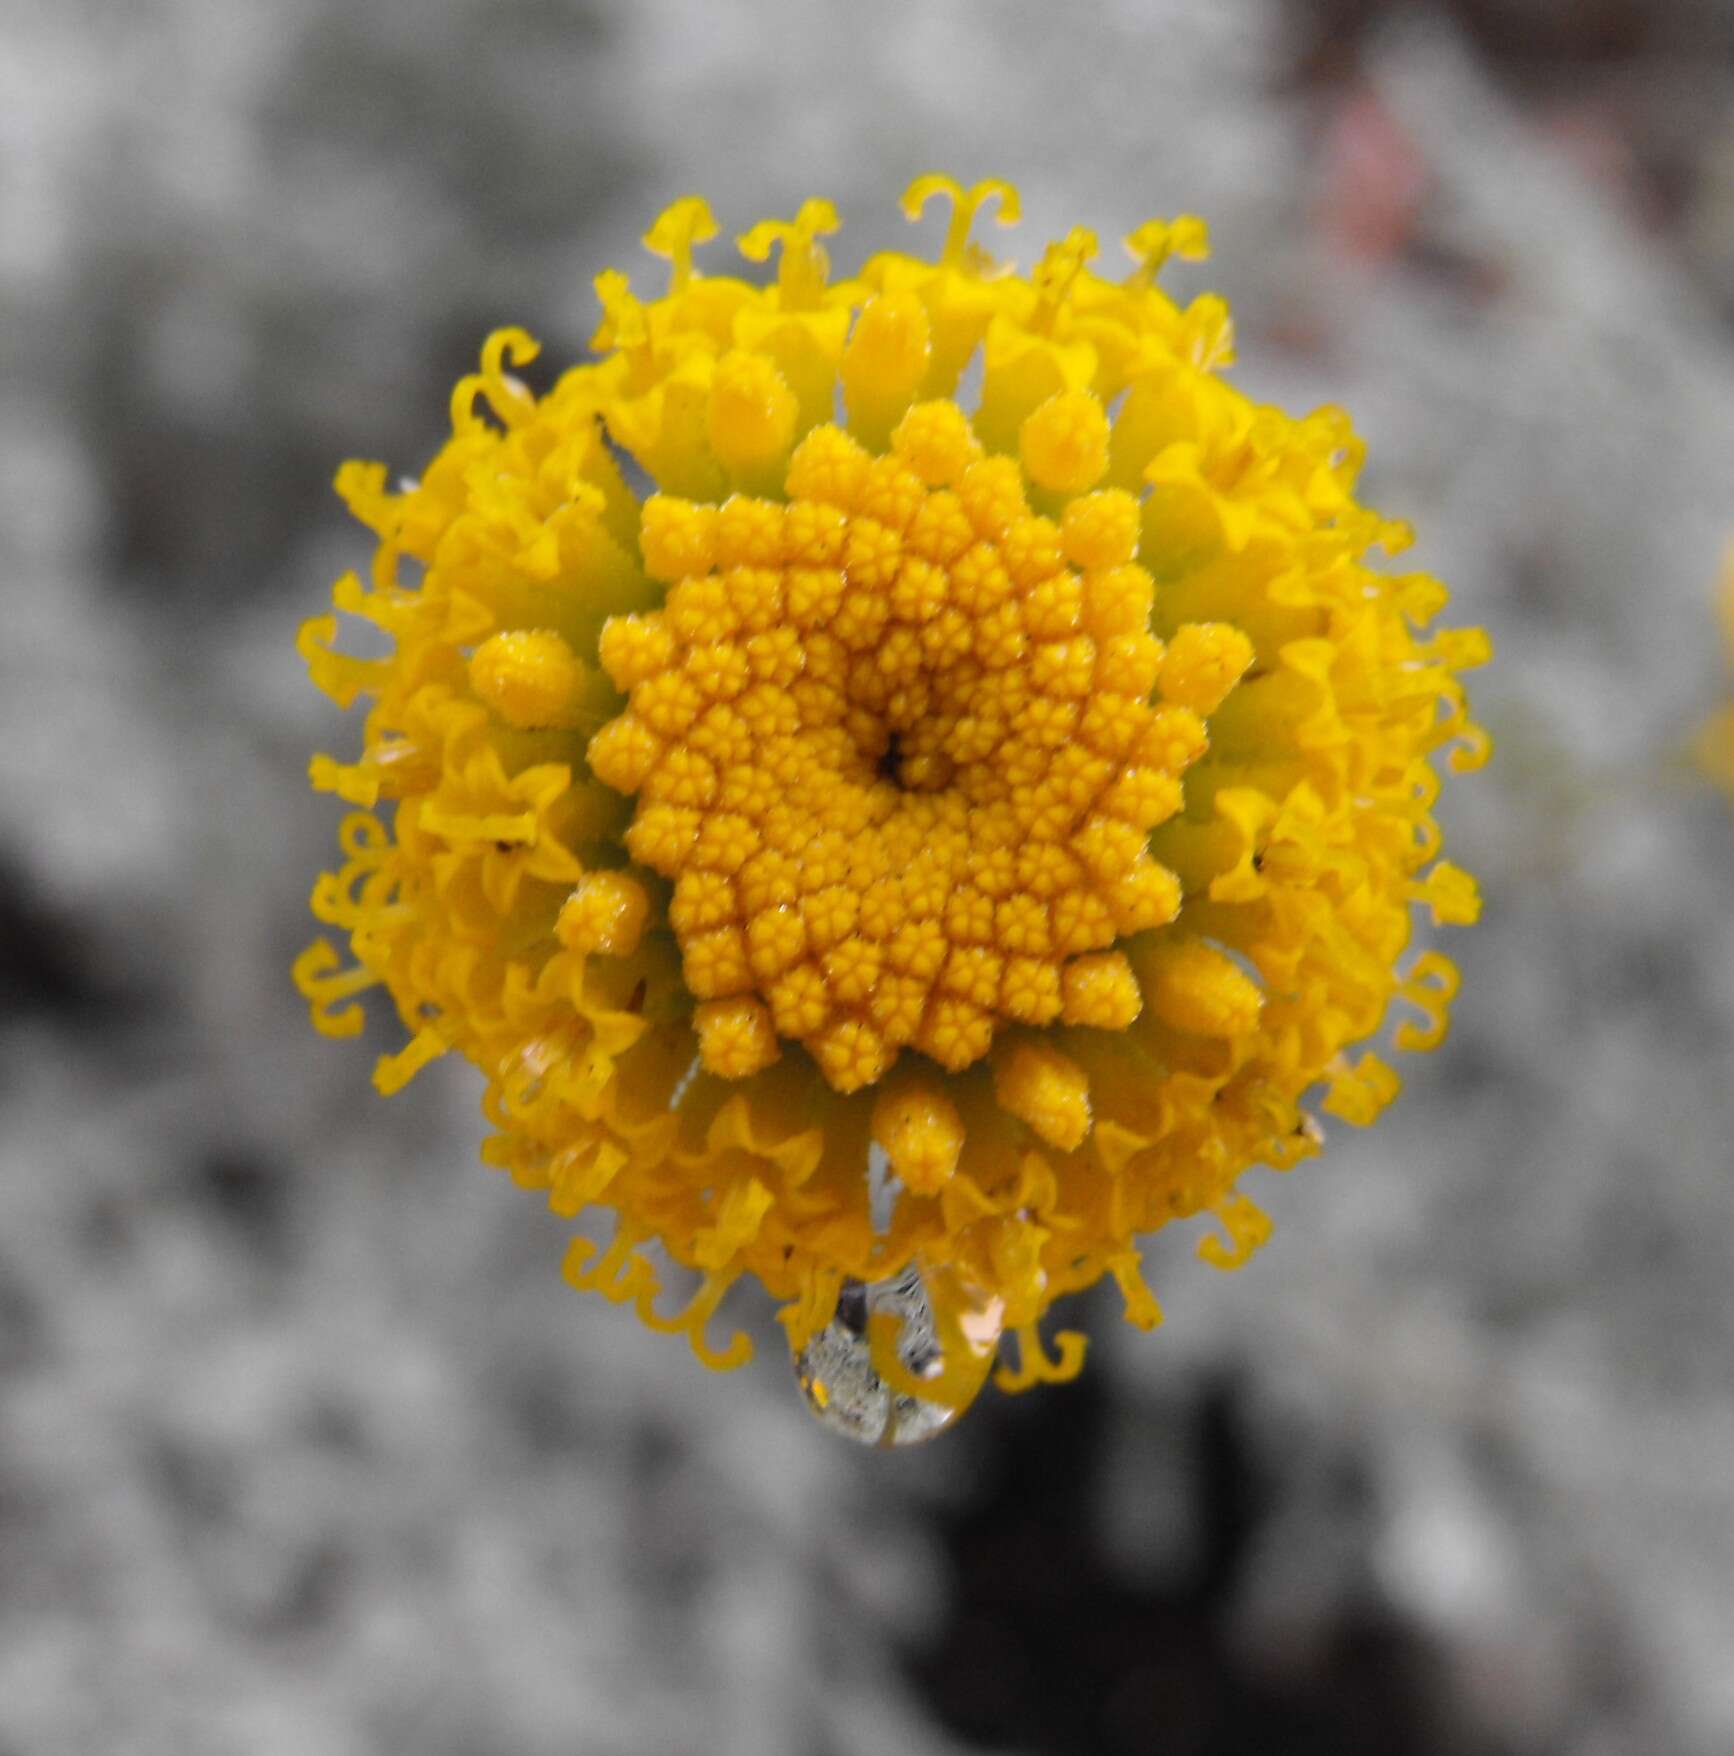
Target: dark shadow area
1049,1647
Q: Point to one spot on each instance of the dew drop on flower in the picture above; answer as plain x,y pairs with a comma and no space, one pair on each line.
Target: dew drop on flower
841,1385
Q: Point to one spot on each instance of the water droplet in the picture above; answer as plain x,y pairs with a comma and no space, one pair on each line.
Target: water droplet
841,1385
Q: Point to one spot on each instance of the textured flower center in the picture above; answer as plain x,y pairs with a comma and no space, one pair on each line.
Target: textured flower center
899,743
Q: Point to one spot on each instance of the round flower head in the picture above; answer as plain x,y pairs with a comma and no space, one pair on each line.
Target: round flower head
863,828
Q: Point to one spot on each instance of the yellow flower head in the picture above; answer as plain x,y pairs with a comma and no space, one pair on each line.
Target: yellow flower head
927,828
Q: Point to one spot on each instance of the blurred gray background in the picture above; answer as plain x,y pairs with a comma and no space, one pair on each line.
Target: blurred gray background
304,1446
